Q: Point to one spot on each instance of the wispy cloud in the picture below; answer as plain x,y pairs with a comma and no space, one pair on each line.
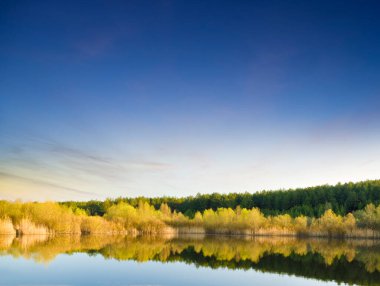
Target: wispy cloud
4,175
60,168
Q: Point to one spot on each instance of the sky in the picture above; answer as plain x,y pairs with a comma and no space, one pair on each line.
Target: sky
102,99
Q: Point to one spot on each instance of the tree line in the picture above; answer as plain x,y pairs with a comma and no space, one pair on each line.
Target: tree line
330,214
123,218
311,202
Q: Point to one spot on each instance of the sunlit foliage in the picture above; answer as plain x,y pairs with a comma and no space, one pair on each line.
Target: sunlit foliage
310,202
122,218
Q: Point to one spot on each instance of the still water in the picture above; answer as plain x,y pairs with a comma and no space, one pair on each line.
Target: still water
190,260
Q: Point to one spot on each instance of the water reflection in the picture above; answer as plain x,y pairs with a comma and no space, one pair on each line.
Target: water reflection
354,261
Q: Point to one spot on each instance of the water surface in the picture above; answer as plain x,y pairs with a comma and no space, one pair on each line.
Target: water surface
191,260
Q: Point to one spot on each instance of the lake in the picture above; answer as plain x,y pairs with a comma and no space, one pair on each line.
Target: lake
187,260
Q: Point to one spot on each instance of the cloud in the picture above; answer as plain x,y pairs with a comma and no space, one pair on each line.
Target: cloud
4,175
48,168
106,167
45,153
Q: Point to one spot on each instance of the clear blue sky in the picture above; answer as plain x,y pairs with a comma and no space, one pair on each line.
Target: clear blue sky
125,98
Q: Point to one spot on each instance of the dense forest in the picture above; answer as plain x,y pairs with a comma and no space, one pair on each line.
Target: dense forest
311,202
163,215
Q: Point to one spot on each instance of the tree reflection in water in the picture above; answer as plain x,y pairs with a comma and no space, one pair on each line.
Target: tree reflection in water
349,261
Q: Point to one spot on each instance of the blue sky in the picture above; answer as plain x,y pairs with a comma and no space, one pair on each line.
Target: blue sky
125,98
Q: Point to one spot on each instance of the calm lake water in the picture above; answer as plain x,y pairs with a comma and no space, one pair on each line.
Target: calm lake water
97,260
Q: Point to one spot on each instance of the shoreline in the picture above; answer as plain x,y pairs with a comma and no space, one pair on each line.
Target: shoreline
180,233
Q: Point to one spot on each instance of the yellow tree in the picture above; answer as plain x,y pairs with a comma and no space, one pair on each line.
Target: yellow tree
255,219
300,224
349,223
331,223
123,213
198,219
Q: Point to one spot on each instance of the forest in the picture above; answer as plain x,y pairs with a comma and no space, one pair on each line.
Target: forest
312,202
144,216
